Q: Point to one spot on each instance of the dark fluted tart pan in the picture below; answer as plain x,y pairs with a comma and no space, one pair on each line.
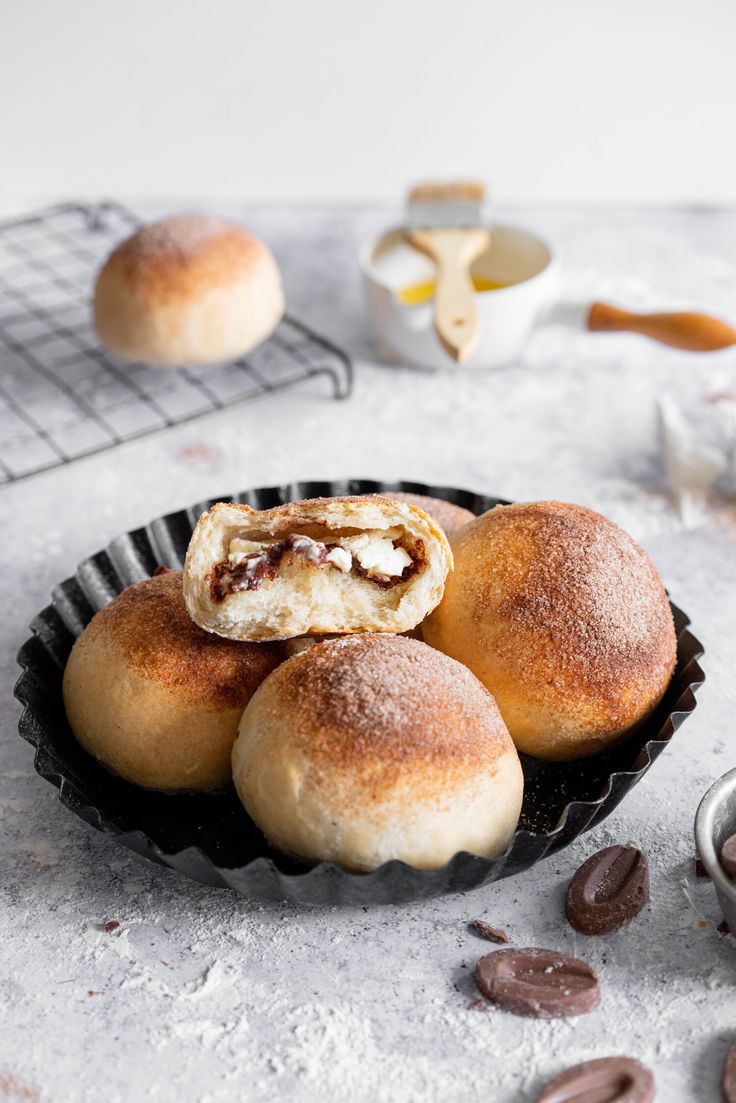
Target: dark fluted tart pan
210,838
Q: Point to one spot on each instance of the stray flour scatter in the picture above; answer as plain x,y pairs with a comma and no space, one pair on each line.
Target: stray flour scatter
208,983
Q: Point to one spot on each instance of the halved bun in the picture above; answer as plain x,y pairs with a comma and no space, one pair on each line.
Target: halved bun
326,565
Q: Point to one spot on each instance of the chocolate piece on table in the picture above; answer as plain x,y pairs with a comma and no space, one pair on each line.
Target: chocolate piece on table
728,1081
728,857
723,927
607,1080
608,890
543,984
700,870
485,930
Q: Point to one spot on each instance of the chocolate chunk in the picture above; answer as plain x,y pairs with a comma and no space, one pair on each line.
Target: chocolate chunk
249,573
723,927
728,1081
728,857
700,870
608,890
607,1080
544,984
485,930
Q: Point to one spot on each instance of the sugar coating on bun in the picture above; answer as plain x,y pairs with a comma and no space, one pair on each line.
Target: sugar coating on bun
155,698
192,289
182,256
564,618
370,748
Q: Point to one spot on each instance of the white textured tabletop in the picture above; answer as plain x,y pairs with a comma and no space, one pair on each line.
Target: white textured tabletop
202,995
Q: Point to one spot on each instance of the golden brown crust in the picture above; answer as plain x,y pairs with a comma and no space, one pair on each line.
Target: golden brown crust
565,619
188,290
153,697
149,625
375,747
354,696
326,507
180,258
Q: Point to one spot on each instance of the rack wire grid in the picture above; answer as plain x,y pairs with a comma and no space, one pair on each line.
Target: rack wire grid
63,397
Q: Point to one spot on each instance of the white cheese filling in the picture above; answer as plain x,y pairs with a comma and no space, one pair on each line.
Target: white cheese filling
341,559
373,552
377,555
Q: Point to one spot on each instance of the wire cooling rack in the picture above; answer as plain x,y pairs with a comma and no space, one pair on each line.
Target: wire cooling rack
62,396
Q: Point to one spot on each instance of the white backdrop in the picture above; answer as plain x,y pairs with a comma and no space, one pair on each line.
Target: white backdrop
547,99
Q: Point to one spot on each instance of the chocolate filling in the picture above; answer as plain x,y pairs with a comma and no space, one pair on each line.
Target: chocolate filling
231,578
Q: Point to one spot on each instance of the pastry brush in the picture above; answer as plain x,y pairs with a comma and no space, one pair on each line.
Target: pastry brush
446,223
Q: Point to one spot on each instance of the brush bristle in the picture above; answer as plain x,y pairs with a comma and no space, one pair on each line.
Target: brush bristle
447,192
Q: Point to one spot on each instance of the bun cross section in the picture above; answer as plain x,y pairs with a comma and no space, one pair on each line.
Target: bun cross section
326,565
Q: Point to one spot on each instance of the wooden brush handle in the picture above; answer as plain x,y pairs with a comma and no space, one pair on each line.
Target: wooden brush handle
455,316
685,330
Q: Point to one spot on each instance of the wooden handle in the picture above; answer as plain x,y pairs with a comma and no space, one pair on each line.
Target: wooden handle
696,332
455,316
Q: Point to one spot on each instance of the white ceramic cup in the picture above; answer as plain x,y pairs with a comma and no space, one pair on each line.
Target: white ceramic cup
517,258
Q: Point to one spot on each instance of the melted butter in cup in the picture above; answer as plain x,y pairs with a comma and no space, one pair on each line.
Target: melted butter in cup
422,292
400,287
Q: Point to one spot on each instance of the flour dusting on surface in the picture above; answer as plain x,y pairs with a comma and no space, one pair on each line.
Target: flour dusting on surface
199,995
